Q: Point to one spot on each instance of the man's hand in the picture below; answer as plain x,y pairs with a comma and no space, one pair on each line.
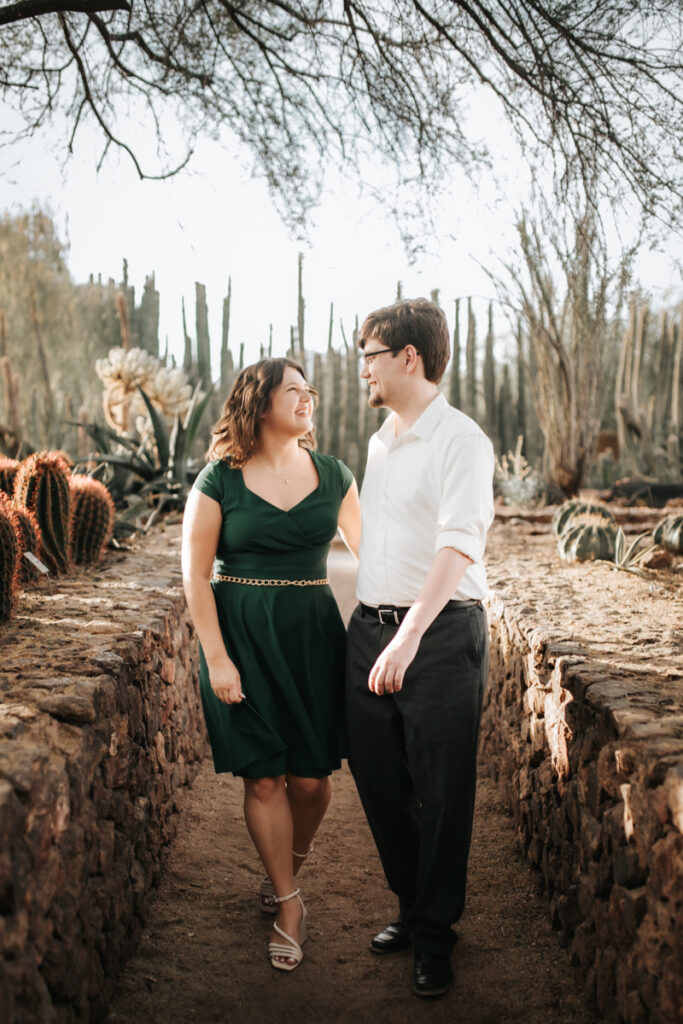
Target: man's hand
386,675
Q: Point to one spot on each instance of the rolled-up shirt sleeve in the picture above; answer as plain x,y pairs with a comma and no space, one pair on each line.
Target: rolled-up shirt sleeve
466,505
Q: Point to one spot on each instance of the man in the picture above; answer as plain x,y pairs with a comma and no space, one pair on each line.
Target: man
417,656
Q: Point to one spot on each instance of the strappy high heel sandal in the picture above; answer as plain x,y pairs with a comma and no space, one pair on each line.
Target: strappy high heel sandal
291,949
266,893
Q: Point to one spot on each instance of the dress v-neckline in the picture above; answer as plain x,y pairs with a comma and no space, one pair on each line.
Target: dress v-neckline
291,508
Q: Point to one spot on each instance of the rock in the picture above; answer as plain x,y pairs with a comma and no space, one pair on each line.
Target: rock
97,746
583,727
68,707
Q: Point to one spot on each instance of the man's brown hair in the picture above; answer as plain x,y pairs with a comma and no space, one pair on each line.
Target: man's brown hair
235,434
415,322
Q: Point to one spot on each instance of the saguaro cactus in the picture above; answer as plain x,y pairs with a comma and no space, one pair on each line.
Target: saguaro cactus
29,536
8,472
9,557
92,519
42,486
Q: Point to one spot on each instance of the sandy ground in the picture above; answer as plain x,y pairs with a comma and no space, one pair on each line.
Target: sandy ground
203,953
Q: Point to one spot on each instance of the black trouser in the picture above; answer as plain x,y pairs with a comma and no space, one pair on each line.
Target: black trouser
413,756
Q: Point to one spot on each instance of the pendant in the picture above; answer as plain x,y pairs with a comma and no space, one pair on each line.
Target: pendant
286,481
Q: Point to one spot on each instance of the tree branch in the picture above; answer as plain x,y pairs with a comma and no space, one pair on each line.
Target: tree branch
25,9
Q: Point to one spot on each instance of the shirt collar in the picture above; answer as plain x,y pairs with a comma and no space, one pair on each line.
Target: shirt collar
424,425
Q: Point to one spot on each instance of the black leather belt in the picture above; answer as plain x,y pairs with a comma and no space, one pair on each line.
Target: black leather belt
390,615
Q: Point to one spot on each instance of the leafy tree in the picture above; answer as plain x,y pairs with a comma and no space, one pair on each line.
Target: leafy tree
593,84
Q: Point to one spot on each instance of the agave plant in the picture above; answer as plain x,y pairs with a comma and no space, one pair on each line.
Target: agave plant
153,472
628,557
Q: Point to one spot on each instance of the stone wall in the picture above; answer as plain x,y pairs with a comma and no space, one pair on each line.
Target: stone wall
100,732
583,727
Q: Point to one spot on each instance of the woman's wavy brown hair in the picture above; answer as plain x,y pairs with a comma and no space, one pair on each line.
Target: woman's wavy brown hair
236,432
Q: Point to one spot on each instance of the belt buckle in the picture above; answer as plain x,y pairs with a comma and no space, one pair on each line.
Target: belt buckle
393,621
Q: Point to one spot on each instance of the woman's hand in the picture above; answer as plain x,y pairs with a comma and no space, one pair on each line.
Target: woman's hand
225,682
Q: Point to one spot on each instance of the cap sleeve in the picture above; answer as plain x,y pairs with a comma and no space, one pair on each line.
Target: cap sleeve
210,481
345,475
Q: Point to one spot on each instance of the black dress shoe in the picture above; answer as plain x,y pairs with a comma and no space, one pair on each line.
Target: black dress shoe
432,975
392,939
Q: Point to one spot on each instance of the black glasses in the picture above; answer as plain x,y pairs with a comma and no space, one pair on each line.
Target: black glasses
368,360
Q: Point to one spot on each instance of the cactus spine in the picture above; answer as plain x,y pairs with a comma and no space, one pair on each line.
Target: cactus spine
8,472
9,557
92,520
42,486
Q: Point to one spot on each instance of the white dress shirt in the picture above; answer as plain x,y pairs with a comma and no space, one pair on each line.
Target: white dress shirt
428,489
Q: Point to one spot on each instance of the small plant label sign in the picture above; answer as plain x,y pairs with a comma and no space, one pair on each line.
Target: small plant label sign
36,562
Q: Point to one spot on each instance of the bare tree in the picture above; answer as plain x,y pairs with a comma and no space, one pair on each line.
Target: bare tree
569,297
595,84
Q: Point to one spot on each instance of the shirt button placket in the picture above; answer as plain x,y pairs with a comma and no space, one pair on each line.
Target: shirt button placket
386,590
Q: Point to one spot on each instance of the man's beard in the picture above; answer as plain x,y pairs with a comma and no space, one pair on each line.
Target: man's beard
375,399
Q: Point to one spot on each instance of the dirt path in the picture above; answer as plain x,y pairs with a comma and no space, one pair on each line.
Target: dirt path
202,955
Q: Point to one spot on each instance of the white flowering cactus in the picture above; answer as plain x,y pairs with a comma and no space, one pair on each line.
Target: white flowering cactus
126,370
121,373
170,392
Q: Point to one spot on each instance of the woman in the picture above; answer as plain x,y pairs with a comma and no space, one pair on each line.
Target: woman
271,637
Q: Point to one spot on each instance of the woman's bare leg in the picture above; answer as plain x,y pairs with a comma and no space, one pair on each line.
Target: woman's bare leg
269,820
308,800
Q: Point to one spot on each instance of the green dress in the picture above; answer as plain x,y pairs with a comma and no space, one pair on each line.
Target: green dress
286,641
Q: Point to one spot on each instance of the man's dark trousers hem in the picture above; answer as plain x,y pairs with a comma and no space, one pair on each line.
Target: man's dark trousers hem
413,757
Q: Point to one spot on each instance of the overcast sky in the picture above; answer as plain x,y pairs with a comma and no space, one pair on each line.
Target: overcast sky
213,221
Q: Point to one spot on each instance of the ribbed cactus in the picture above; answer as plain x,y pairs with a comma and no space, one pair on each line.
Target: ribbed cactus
454,380
42,486
92,519
8,471
29,535
9,557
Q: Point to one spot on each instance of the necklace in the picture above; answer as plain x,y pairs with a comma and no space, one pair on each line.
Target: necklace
282,479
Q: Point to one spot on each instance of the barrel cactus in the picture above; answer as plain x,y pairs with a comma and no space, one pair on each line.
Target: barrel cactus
571,513
42,487
29,531
586,542
669,533
10,554
564,514
8,471
92,519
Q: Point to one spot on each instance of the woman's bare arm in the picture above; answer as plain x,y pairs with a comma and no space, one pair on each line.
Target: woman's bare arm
349,519
202,524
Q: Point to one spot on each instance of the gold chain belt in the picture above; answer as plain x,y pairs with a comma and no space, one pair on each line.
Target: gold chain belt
270,583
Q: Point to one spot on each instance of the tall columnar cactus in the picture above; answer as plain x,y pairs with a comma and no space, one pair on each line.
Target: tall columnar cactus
520,422
92,520
29,535
318,380
471,362
203,340
454,382
8,472
42,486
491,413
9,557
227,362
